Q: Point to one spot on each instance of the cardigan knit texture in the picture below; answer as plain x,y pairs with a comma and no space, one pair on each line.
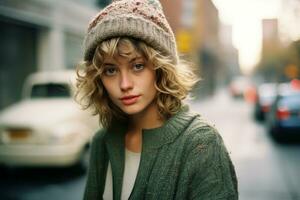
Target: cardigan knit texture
184,159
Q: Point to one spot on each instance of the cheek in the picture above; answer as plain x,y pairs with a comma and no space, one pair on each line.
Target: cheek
152,80
108,86
150,86
105,85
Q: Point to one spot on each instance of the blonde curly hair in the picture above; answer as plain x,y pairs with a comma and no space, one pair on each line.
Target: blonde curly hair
173,82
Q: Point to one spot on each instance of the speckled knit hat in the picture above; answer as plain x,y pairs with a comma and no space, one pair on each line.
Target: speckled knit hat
140,19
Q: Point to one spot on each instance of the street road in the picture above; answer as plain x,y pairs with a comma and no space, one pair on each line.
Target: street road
266,170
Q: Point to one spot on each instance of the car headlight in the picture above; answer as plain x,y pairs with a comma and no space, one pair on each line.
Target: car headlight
63,135
16,135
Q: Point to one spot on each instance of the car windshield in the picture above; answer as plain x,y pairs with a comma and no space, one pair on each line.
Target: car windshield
267,98
292,100
50,90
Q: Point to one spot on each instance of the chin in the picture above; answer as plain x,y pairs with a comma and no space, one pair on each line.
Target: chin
131,110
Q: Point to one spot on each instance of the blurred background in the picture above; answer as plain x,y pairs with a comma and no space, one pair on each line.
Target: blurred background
247,53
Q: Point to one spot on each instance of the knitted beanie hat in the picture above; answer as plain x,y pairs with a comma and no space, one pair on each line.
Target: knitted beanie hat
140,19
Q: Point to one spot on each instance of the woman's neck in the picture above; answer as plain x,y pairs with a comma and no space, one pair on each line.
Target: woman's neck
147,119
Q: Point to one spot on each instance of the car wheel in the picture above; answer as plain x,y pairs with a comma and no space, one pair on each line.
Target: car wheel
276,135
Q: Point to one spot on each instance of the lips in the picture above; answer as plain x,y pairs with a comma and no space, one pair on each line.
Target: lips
129,100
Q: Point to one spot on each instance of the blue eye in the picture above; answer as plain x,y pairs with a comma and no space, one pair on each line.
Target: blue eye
110,71
138,67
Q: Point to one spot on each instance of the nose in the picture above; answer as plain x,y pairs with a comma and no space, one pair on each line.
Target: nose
126,82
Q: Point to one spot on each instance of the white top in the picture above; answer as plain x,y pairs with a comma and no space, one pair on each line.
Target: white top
132,161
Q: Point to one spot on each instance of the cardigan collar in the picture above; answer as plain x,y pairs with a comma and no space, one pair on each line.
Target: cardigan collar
152,140
156,137
169,131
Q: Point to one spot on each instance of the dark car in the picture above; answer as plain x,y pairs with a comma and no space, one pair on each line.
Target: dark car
266,94
283,120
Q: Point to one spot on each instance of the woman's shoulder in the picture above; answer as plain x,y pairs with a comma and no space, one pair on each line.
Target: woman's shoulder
201,131
99,136
203,138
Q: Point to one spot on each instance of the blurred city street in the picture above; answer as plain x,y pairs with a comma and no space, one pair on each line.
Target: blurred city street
249,48
266,170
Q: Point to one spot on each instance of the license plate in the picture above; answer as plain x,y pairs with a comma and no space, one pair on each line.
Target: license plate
18,134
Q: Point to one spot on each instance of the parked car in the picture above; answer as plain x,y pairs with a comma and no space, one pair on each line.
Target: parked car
284,118
47,127
266,94
238,86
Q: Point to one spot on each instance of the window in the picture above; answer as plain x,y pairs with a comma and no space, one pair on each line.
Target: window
50,90
103,3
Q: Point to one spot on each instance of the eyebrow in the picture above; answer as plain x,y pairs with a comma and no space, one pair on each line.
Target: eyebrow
107,63
136,58
131,60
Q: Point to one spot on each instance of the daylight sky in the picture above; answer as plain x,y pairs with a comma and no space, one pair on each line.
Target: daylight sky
245,17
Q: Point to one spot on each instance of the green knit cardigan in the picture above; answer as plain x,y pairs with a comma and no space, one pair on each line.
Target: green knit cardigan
184,159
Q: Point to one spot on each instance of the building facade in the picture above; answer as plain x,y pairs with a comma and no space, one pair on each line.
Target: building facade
196,26
39,35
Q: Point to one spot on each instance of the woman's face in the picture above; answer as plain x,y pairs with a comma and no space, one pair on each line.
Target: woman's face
130,81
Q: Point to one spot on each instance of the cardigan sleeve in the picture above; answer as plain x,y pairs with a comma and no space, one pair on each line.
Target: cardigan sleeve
96,165
212,172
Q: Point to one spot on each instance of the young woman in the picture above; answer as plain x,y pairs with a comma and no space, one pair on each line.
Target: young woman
151,146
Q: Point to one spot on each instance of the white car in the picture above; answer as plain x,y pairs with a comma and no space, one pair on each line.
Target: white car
238,86
47,127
